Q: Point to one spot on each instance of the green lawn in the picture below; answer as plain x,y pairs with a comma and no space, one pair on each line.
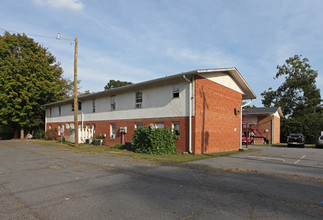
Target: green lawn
113,150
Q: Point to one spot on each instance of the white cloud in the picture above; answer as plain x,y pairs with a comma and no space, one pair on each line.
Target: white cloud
74,5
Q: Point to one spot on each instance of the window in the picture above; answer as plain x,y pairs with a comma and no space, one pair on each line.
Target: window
73,107
138,99
50,112
176,91
113,131
160,125
59,130
49,127
79,106
176,128
138,125
88,126
59,110
93,105
93,126
113,102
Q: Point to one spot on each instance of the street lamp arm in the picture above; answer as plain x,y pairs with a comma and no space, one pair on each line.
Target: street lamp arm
59,36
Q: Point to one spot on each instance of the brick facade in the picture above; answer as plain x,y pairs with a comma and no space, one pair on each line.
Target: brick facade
103,127
216,126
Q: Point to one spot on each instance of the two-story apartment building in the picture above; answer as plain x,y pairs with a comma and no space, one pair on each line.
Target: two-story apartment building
202,106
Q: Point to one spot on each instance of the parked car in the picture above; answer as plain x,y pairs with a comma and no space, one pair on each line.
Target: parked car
296,140
319,142
245,139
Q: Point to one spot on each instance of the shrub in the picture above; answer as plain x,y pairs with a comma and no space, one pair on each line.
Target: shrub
51,134
154,141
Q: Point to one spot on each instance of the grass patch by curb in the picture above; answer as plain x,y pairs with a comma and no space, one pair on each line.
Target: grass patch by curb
111,150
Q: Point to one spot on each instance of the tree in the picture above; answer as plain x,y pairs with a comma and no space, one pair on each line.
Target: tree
116,83
298,94
29,78
299,99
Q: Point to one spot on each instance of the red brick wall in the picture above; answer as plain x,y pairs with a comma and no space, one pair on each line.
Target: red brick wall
103,127
216,127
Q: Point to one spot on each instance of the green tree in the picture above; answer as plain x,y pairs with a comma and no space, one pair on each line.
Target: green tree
29,78
298,94
116,83
299,99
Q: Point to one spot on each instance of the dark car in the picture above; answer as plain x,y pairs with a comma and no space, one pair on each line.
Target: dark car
296,140
319,142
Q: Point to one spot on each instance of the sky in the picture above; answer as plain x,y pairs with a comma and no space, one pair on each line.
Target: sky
140,40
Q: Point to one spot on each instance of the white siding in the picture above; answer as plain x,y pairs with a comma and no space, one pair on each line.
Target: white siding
224,80
158,102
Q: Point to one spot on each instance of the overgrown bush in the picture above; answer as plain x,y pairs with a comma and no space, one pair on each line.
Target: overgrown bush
51,134
39,134
154,141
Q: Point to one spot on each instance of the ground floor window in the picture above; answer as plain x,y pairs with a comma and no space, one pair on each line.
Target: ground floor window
113,131
138,125
160,125
176,128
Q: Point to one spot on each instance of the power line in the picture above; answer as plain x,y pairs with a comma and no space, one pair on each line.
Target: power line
35,35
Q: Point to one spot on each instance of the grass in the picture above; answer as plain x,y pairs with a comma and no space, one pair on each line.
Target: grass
113,150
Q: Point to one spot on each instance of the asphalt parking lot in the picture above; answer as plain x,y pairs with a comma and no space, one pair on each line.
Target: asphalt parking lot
283,160
49,182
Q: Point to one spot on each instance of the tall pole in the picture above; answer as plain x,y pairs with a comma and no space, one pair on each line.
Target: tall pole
75,96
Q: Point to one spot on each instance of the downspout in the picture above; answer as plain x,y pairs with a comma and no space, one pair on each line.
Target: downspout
241,122
190,116
272,128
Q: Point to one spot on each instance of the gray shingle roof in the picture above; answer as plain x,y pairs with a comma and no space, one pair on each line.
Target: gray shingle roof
264,110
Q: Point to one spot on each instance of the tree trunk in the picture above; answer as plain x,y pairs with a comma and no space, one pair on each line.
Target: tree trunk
22,133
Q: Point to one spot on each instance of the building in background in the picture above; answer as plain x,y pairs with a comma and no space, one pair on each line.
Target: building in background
264,124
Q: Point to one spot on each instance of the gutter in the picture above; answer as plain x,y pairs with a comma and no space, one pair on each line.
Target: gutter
190,115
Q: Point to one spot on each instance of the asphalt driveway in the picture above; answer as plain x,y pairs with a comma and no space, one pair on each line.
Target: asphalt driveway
283,160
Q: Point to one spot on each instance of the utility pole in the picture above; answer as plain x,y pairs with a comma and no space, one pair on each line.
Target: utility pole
76,127
75,95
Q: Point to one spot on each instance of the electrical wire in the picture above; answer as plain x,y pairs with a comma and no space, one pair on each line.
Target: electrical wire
35,35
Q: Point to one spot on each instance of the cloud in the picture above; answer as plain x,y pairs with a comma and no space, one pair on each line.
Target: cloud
74,5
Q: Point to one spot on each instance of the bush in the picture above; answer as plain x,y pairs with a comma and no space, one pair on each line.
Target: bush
39,134
154,141
51,134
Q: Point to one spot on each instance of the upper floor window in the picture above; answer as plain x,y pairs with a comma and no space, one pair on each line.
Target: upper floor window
175,90
113,102
59,110
138,99
93,105
79,106
50,112
73,107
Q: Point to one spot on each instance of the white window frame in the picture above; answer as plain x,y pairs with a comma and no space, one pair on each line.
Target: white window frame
175,91
179,127
139,99
138,125
113,103
113,131
160,125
